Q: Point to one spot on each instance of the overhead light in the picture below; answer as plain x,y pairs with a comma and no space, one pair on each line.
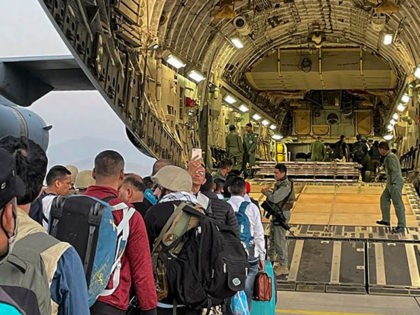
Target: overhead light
237,43
395,116
229,99
405,98
153,46
390,127
175,62
417,72
388,137
388,39
265,122
392,122
256,116
401,107
243,108
196,76
273,127
277,137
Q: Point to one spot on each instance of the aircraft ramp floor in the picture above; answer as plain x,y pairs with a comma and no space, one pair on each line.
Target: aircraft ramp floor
338,248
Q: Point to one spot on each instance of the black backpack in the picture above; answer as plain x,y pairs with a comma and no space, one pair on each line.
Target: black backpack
203,266
36,211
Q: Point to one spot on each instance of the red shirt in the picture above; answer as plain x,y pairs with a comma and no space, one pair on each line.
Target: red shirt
136,263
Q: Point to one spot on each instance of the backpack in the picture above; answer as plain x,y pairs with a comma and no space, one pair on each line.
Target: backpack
245,229
36,211
88,225
196,262
18,301
23,277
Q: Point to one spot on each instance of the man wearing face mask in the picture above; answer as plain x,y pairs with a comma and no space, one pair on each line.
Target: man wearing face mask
51,269
10,187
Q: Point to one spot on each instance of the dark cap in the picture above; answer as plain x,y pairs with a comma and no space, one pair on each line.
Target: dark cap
10,184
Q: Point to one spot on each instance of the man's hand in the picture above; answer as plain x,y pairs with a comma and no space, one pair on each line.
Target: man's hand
264,190
262,265
194,165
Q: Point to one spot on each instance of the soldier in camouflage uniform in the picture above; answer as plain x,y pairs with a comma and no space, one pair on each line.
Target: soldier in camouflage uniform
234,147
250,148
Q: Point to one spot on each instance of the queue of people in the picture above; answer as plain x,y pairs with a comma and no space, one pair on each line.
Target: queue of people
61,286
58,278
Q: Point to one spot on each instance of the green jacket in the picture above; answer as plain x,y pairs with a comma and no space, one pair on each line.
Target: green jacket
317,151
234,145
393,170
250,142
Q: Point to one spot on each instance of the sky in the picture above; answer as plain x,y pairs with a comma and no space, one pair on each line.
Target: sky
83,123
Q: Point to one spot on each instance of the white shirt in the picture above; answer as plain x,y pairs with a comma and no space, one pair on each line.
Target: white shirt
256,227
46,209
203,200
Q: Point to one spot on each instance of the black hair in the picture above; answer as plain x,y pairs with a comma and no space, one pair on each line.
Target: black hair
384,145
225,163
219,183
232,127
359,137
281,167
134,181
57,172
342,137
108,163
249,125
148,182
31,165
208,185
237,186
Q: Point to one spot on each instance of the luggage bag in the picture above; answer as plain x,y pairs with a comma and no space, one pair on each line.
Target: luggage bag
267,308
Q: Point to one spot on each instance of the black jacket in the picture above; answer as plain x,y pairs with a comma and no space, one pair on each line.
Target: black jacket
222,212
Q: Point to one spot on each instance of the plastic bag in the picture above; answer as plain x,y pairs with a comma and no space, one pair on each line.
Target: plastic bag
239,304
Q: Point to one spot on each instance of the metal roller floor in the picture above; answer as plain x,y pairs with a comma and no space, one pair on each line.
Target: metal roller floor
337,246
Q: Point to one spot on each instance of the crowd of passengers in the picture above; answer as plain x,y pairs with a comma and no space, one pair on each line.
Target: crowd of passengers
153,197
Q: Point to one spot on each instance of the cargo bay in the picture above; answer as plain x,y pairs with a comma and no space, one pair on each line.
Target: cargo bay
178,73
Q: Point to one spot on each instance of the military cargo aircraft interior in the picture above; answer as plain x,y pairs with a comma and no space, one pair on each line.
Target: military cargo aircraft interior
304,82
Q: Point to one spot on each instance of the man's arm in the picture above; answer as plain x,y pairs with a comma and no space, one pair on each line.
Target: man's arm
140,262
68,287
258,230
278,195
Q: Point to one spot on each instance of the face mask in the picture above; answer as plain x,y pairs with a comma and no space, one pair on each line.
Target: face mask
10,239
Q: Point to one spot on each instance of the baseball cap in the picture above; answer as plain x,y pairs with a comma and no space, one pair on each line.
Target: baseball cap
10,184
173,178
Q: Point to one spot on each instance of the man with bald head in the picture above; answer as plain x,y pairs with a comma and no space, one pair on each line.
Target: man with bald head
132,191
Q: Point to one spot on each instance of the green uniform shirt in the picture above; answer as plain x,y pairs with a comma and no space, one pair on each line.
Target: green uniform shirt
234,144
317,151
393,169
250,142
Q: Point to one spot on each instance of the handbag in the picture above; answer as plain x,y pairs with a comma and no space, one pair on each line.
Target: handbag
262,287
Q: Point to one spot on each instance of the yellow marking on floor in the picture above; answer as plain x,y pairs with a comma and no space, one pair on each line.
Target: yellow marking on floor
306,312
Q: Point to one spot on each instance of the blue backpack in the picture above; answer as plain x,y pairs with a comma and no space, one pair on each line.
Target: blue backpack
244,227
88,225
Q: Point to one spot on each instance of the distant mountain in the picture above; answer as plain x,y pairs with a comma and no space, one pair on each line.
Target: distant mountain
81,152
